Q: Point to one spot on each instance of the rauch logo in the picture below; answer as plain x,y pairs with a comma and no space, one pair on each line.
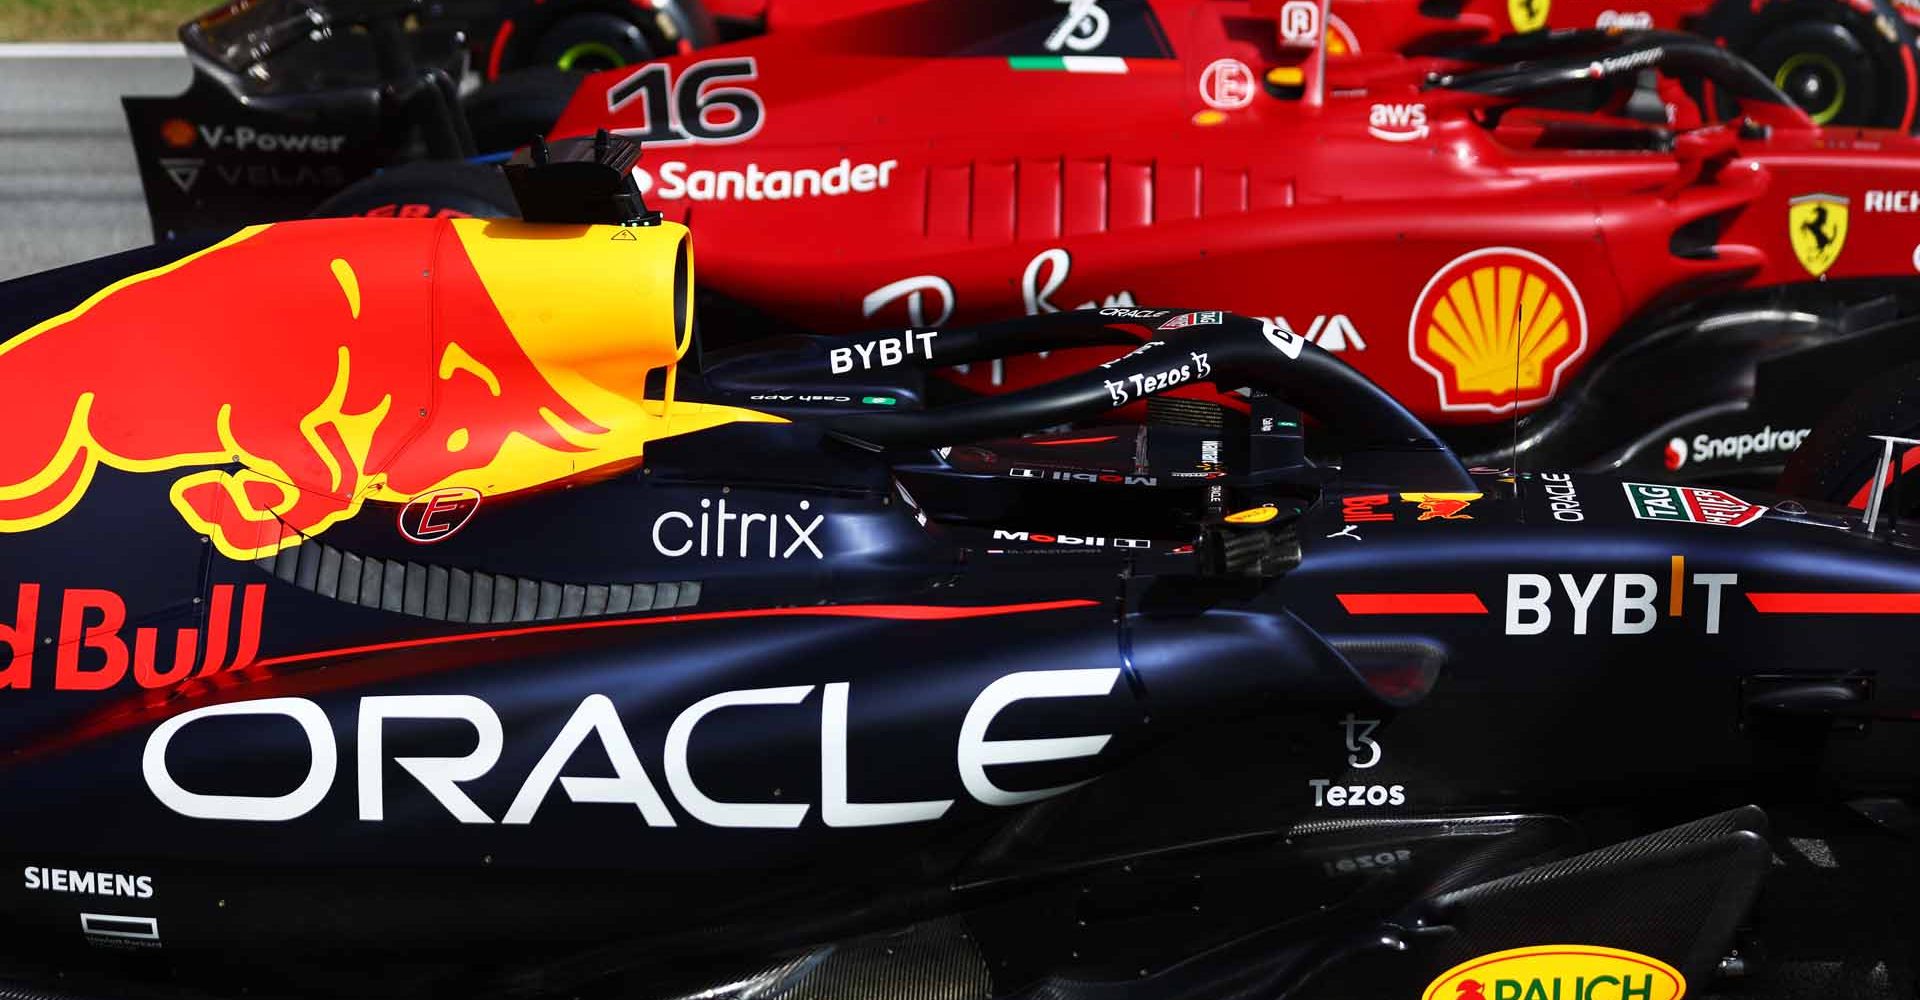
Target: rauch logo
1559,972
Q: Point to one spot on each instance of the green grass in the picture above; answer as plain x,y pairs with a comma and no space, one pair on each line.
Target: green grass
95,20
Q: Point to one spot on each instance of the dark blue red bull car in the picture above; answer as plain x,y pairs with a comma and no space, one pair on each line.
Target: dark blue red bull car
435,616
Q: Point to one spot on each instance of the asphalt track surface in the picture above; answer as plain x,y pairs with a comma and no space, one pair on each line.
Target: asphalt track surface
69,191
68,188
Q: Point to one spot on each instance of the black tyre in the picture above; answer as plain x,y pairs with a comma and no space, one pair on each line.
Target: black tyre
583,36
519,107
426,190
1837,462
593,41
1831,60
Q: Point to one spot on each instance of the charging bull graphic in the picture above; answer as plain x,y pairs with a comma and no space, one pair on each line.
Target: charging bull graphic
317,365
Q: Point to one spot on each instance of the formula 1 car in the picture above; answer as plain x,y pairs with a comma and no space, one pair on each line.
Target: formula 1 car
1547,236
484,634
294,99
1641,234
575,36
1844,63
1671,298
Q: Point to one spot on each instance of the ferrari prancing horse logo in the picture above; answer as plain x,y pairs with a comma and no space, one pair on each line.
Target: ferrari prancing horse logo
1817,228
1528,15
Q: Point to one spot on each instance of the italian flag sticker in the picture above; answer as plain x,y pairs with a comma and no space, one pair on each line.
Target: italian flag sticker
1070,64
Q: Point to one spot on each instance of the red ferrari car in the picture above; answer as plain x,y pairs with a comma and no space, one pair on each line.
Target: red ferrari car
1647,288
1559,226
1845,61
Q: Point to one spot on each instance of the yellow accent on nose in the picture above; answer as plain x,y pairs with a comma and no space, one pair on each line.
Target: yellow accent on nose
349,283
457,441
1286,76
1209,118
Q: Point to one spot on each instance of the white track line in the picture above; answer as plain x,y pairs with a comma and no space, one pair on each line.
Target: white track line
92,50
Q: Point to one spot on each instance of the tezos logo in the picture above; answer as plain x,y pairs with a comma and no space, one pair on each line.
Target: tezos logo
1397,122
1146,385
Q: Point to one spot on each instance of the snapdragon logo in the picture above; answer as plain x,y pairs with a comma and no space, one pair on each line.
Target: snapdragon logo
1734,447
721,533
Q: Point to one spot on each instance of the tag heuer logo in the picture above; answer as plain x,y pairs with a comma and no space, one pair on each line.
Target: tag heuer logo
1658,502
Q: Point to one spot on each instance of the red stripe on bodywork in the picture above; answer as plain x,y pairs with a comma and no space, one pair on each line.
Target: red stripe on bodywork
1059,441
499,49
1836,604
258,680
1899,466
896,612
1906,63
1412,604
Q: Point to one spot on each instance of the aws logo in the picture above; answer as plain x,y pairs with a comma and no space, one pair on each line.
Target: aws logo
1559,972
1497,328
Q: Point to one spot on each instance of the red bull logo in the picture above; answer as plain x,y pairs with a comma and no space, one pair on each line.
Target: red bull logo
1442,506
296,371
92,652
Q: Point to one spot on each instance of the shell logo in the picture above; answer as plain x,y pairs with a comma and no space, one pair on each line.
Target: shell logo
177,132
1563,971
1497,328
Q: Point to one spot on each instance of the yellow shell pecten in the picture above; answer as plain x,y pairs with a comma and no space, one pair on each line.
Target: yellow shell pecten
1498,327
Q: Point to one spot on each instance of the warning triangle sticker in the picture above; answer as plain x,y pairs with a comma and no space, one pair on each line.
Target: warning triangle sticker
624,234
